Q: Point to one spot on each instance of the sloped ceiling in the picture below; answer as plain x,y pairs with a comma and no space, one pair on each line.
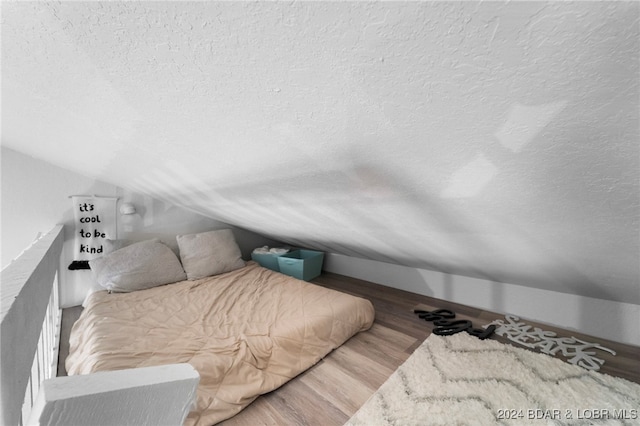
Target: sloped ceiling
490,139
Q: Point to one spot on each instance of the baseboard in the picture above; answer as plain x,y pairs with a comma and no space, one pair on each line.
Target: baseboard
606,319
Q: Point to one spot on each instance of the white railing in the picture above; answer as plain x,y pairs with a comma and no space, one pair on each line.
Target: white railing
30,325
45,361
147,396
29,341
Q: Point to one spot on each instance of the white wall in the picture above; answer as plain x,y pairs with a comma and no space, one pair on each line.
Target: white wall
35,198
610,320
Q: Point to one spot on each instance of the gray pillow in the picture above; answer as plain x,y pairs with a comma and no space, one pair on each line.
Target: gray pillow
138,266
113,245
209,253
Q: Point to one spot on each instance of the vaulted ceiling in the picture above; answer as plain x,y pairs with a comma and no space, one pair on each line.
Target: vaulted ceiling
490,139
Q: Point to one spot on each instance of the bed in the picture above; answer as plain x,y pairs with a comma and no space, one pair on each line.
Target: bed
246,331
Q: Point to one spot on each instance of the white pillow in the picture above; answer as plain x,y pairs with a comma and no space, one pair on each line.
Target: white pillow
209,253
138,266
113,245
109,247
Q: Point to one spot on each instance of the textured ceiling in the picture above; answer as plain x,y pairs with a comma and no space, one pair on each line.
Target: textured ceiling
498,140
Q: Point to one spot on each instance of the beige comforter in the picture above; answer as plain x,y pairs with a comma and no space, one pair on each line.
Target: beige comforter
247,332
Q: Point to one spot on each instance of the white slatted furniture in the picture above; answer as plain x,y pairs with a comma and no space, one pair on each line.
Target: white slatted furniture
29,341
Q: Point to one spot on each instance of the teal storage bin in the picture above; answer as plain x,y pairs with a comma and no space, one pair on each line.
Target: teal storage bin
267,260
301,264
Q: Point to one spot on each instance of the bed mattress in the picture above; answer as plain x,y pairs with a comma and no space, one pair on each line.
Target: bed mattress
246,332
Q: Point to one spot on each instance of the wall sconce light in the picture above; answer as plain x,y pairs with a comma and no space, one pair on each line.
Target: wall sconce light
127,208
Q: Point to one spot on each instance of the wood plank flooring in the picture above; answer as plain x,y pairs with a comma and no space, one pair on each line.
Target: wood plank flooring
69,317
330,392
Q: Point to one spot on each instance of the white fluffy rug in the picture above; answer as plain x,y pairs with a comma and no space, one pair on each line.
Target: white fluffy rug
462,380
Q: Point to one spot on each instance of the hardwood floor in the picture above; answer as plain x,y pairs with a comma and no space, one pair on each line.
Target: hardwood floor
69,317
330,392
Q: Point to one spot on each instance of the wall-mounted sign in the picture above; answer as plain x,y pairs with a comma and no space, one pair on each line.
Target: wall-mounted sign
95,220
